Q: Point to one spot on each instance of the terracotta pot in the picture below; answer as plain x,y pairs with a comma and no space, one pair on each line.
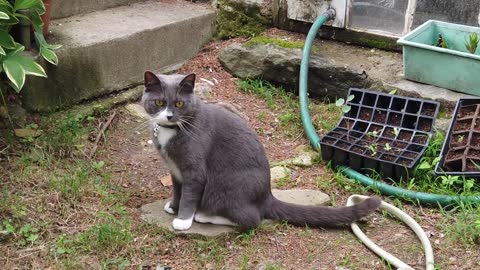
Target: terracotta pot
46,15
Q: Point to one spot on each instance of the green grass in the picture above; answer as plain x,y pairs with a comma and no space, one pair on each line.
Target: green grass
462,224
277,99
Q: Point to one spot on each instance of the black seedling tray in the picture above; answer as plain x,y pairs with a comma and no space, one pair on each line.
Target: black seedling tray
381,133
460,153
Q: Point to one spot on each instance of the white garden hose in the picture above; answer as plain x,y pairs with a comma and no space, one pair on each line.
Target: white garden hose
356,199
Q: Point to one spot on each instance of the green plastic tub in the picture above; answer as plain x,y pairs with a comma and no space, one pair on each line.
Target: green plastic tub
453,67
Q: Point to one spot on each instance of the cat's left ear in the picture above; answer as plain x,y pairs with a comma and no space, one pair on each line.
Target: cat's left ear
187,84
151,80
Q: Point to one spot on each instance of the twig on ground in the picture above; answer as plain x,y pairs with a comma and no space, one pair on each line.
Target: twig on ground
101,133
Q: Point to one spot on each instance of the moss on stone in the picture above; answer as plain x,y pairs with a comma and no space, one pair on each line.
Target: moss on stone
236,19
278,41
376,43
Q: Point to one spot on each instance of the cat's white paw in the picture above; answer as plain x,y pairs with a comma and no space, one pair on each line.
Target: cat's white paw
182,224
169,209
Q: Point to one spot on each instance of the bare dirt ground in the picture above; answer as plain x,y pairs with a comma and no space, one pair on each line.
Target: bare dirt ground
137,170
289,248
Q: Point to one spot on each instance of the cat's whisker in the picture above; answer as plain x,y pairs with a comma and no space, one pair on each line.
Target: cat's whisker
189,127
141,129
144,124
190,124
187,132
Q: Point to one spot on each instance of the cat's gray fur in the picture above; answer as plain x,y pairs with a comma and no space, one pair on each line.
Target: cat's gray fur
222,168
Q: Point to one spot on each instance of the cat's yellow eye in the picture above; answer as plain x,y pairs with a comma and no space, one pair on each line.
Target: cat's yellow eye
179,104
159,103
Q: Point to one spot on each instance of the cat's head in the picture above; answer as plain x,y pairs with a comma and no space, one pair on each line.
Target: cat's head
169,99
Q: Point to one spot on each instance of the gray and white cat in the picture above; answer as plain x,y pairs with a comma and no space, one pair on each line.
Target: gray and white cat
220,171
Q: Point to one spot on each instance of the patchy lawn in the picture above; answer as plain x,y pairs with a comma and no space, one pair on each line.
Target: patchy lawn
61,210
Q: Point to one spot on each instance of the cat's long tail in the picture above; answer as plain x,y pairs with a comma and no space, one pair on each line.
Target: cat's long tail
320,216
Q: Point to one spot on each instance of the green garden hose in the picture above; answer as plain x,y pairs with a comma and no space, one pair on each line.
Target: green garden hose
421,197
307,122
315,141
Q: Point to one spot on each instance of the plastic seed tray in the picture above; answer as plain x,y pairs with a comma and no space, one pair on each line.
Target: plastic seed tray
381,133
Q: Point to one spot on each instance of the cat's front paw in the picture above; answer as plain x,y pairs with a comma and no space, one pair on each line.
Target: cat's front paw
168,208
182,224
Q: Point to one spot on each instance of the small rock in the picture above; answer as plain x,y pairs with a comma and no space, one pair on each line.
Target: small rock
203,90
18,114
305,157
280,172
27,132
137,111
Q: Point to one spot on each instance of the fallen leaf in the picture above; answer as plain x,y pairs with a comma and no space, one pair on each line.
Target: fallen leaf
167,181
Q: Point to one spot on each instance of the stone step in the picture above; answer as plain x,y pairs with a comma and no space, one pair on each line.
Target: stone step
67,8
109,50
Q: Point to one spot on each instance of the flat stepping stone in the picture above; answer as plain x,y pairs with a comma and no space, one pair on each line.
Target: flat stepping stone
302,196
153,213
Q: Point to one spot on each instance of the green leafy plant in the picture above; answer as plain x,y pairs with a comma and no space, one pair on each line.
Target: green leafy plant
342,104
387,147
396,131
373,134
344,107
472,43
441,42
449,180
13,63
373,149
461,138
27,234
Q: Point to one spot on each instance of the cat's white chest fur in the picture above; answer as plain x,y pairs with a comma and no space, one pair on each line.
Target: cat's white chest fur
163,136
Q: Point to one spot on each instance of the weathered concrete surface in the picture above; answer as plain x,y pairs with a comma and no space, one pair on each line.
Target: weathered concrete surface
282,66
66,8
447,98
110,50
153,212
103,103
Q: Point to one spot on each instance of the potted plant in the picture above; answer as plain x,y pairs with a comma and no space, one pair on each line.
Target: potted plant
443,54
381,132
460,153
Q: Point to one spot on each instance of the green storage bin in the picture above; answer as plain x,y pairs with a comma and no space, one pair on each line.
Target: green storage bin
453,67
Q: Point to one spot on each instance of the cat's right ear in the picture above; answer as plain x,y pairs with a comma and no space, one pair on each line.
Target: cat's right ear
151,80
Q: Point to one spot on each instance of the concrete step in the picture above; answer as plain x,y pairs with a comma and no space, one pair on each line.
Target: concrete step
67,8
108,51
